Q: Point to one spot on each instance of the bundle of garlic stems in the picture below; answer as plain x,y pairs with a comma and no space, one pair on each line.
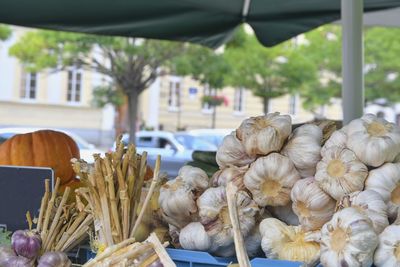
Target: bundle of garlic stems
61,225
112,190
131,253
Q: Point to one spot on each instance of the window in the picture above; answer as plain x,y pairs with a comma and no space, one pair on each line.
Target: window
29,85
293,104
208,92
174,94
238,101
74,88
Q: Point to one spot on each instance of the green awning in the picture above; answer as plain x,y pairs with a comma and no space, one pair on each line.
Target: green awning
208,22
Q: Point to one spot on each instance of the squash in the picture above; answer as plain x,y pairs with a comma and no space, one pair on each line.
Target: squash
44,148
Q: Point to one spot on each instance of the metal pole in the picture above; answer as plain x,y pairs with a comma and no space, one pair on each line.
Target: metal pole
352,64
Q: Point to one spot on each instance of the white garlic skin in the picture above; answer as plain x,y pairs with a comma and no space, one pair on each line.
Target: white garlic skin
177,198
388,252
214,215
194,237
264,134
285,214
232,152
348,239
270,180
385,180
338,138
311,204
340,172
280,241
231,174
304,149
371,204
253,242
374,140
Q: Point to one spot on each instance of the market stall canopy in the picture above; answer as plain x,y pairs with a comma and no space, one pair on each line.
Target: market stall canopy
207,22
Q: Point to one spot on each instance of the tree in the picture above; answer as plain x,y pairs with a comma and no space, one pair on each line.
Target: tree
5,32
382,73
268,72
207,67
132,64
323,49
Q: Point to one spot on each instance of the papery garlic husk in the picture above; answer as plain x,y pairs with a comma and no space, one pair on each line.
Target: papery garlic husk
348,239
194,237
178,197
338,138
232,152
304,149
311,204
283,242
214,215
231,174
371,204
253,242
340,172
264,134
270,180
388,252
374,140
285,214
385,180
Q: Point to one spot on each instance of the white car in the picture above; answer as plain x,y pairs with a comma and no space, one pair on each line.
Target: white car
86,149
175,149
214,136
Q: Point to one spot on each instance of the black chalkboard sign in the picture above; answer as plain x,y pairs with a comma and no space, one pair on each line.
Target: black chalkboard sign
21,189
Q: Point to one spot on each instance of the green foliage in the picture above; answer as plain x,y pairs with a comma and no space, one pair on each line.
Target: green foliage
202,64
107,94
213,101
382,50
5,237
5,32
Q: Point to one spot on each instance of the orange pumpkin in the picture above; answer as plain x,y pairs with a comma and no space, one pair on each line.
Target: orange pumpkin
44,148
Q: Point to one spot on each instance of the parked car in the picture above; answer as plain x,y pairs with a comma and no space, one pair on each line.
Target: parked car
175,149
214,136
86,149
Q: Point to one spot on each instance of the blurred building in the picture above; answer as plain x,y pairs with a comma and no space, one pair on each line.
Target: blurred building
51,100
175,102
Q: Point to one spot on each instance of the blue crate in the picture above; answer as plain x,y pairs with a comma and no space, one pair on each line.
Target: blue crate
188,258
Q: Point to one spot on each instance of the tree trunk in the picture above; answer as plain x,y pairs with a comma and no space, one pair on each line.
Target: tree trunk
133,101
266,104
121,121
214,117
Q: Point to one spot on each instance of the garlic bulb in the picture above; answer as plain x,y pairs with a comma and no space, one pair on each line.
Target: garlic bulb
397,159
178,197
270,180
232,152
374,140
369,203
253,242
232,173
340,172
388,252
285,214
338,138
348,239
311,204
280,241
214,215
264,134
385,180
194,237
304,148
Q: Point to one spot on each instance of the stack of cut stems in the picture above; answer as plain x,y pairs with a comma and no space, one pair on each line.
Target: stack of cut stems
62,225
112,190
131,253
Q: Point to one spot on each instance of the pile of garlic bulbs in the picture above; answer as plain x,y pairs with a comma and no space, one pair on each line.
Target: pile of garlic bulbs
303,195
